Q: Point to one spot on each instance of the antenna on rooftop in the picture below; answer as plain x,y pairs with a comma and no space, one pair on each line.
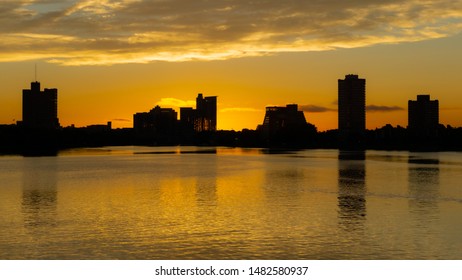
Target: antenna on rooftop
36,71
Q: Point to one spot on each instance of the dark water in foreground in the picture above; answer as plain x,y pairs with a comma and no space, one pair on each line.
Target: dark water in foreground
202,203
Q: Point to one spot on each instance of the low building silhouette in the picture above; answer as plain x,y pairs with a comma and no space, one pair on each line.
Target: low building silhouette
286,126
158,126
99,127
187,119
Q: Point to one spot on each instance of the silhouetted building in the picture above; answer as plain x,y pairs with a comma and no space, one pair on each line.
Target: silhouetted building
156,120
203,118
187,116
206,113
158,126
99,127
423,117
351,111
277,118
40,108
286,126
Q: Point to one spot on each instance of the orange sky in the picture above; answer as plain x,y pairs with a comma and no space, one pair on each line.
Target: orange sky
111,59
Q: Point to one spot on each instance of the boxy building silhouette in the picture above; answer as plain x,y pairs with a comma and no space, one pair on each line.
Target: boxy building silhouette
203,118
423,118
40,108
286,126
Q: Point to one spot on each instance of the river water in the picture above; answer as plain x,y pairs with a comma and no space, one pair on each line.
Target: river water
231,203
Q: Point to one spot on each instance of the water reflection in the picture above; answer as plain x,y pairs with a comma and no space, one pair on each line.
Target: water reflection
39,192
424,180
206,191
236,204
284,183
423,187
206,183
351,189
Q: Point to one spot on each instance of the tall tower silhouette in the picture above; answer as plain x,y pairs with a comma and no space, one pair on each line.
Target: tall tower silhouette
40,108
203,118
351,112
206,113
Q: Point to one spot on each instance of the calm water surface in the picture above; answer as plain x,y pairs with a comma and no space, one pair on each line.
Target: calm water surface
203,203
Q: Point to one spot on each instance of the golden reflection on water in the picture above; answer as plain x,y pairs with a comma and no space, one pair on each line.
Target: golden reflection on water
39,193
423,180
352,190
221,203
423,176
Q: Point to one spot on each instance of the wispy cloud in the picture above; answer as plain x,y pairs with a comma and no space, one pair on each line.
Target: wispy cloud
121,120
75,32
315,109
369,108
379,108
174,102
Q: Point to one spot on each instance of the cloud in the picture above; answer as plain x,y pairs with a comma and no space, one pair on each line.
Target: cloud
72,32
174,102
315,109
378,108
240,109
121,120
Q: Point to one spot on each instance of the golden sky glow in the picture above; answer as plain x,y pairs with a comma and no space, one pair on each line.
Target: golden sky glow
110,59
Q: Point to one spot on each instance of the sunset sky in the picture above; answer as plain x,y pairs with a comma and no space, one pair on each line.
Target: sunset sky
112,58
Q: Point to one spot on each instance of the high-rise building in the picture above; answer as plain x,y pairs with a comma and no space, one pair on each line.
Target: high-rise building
206,113
423,116
40,108
351,111
203,118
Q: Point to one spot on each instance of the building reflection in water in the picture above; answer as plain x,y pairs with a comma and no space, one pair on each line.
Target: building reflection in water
39,192
351,189
206,183
424,179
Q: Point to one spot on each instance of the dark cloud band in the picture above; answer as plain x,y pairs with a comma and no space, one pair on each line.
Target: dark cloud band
376,108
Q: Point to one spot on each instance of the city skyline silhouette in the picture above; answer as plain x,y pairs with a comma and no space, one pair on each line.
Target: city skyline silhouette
282,127
51,117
